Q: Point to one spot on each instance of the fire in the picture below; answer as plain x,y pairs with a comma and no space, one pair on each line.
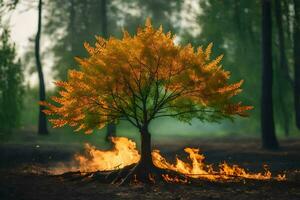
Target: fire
198,169
125,153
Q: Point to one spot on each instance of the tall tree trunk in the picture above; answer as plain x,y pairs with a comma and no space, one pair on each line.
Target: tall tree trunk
269,140
281,87
111,128
282,54
287,13
42,126
283,69
285,114
297,61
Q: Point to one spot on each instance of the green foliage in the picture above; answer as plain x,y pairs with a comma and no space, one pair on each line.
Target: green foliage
235,26
69,25
11,88
72,23
161,13
29,114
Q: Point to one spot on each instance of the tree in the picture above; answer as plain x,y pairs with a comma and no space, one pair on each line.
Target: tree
269,140
104,18
297,61
282,73
241,42
64,17
141,78
281,41
42,126
11,88
80,20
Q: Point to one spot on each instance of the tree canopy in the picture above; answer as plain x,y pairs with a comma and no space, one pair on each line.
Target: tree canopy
142,77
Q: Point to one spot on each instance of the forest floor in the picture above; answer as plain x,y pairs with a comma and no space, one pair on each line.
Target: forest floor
16,182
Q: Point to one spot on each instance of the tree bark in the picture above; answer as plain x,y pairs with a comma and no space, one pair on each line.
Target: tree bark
297,62
42,126
145,165
269,140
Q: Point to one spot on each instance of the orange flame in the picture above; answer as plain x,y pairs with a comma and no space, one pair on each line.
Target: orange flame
198,169
125,153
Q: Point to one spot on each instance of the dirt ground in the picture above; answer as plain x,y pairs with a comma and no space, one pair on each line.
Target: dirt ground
18,183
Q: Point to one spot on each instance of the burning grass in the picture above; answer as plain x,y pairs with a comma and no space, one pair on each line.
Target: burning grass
118,165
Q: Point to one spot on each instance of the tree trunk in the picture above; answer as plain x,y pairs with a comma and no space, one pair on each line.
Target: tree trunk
297,61
269,140
283,72
284,112
145,165
110,131
283,60
42,126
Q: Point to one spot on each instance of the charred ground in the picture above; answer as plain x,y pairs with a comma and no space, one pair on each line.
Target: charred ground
19,182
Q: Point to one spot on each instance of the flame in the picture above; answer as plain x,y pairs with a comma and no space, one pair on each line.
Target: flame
125,153
196,168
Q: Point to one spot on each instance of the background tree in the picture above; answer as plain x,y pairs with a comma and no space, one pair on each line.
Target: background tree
284,81
42,125
281,41
297,61
111,128
240,42
142,78
69,25
269,140
104,18
162,12
11,88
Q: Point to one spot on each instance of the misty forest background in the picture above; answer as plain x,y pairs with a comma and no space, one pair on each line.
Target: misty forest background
234,27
